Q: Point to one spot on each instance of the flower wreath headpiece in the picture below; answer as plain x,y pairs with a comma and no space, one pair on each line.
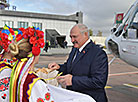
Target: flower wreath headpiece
7,36
35,36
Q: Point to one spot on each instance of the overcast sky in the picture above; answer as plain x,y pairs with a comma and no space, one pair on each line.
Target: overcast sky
97,14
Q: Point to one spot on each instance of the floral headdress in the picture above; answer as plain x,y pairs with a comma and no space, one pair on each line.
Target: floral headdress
35,36
7,36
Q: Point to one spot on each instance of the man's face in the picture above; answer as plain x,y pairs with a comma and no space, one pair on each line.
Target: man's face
77,38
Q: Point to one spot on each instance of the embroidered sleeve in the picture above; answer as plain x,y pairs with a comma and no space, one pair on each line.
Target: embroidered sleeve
40,93
4,84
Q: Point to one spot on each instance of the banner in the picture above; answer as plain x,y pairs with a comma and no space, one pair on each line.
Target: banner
119,18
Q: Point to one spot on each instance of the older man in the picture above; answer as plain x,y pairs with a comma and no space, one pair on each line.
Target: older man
86,69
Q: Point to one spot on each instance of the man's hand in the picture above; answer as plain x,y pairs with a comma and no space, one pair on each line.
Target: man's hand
53,66
65,80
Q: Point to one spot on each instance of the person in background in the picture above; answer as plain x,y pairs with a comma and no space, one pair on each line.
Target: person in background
56,43
86,69
46,45
49,44
65,44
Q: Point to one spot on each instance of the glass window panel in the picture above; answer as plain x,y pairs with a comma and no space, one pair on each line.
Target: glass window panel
37,25
22,24
8,23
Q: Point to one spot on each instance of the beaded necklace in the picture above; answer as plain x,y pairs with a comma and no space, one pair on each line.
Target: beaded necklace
5,62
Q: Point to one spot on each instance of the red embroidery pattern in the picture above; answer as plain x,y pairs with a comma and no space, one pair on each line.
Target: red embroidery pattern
7,60
40,100
47,98
4,96
4,84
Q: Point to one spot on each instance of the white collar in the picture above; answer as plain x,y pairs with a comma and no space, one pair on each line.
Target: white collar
81,48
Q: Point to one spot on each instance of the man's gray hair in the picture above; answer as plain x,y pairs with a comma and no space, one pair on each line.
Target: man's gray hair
83,28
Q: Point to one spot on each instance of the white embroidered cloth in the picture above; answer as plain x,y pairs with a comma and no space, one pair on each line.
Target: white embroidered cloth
57,94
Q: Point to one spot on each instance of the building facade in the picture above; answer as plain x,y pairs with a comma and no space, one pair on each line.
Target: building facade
60,23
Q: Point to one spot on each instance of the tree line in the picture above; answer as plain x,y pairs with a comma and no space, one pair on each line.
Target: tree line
98,34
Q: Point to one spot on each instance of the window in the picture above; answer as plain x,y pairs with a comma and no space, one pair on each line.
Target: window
136,17
8,23
132,31
37,25
22,24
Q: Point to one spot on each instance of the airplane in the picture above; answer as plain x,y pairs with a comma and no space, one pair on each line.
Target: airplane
123,41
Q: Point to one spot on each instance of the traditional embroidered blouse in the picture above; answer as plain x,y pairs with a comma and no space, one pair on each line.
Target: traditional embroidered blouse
26,86
5,72
22,82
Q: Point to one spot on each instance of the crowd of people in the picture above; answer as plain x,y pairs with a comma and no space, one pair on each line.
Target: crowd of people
84,73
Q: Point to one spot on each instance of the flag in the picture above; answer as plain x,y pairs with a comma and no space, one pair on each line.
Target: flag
119,18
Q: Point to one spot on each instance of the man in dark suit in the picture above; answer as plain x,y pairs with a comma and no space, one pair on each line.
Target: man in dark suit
86,72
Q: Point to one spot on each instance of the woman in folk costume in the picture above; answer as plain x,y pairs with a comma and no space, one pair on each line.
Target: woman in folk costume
7,36
27,50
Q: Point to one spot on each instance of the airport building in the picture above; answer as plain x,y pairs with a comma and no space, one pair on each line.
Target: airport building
55,27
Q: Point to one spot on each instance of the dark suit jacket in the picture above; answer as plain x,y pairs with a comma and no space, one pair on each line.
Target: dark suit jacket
89,70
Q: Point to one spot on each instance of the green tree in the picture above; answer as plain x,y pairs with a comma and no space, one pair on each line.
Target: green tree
99,33
90,32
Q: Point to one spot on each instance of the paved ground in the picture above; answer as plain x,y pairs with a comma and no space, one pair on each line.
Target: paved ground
56,51
122,83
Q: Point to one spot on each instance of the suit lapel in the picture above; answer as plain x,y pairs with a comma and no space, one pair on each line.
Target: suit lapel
71,56
79,56
82,53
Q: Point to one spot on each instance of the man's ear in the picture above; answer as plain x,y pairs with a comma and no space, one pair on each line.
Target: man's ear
86,33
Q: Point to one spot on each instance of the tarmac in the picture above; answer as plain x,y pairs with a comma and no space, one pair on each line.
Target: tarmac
59,51
56,51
